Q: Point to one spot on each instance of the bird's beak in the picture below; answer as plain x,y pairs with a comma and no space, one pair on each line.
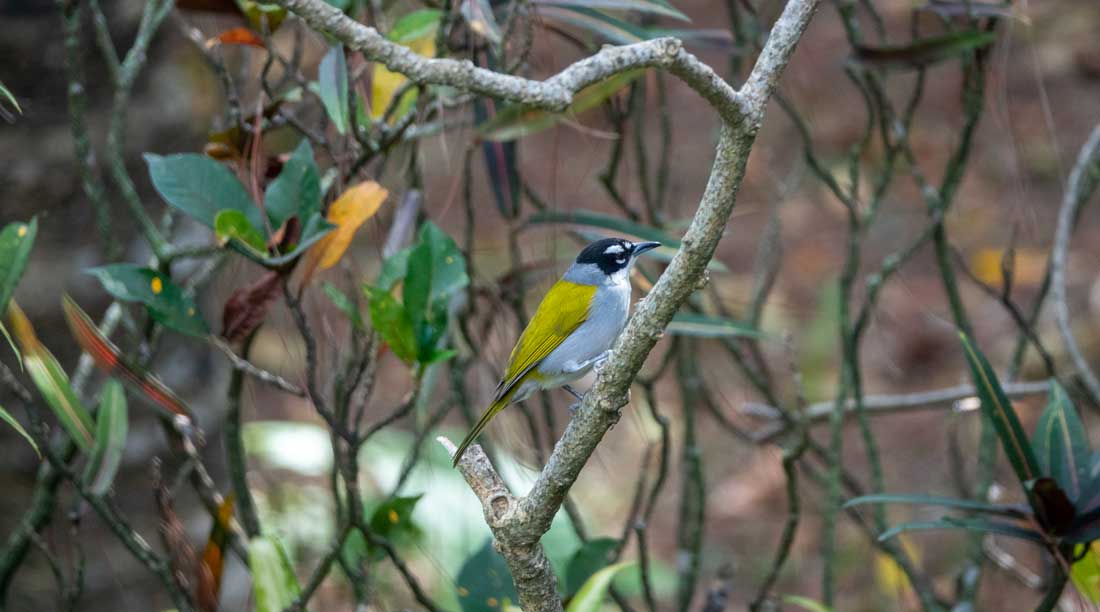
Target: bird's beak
642,247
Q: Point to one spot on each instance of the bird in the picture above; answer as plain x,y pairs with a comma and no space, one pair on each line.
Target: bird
573,329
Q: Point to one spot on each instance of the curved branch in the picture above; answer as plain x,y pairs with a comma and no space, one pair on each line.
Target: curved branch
556,92
1082,182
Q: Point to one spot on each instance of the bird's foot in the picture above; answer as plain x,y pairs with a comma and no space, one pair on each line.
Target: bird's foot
577,404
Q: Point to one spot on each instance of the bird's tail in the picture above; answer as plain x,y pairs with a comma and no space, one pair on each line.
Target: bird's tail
490,412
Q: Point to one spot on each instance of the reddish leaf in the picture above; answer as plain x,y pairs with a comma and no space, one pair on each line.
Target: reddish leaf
237,36
248,306
109,359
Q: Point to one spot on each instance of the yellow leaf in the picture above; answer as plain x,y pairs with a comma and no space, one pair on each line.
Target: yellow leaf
1030,266
384,83
892,580
347,213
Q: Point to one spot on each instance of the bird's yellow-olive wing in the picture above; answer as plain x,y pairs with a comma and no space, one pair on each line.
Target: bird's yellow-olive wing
561,312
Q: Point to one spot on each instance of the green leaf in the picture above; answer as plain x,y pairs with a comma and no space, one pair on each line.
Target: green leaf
591,595
1085,572
53,384
484,583
448,264
705,326
602,221
969,524
233,225
436,269
393,521
200,187
6,95
389,318
668,248
16,241
1061,446
273,582
394,268
517,120
655,7
165,300
10,420
416,294
415,25
591,557
340,300
926,50
297,189
607,27
332,78
998,409
110,439
806,603
935,500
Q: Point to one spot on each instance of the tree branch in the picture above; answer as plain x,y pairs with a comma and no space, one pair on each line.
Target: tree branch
518,524
556,92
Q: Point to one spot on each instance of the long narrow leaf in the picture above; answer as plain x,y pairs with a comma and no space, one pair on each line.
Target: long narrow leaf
935,500
998,409
18,427
109,359
5,94
979,525
656,7
926,51
607,27
50,379
602,221
112,425
705,326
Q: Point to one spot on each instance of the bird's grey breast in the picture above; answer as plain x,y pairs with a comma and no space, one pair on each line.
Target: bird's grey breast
606,317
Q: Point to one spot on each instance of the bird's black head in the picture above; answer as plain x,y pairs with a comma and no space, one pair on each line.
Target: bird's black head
613,254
